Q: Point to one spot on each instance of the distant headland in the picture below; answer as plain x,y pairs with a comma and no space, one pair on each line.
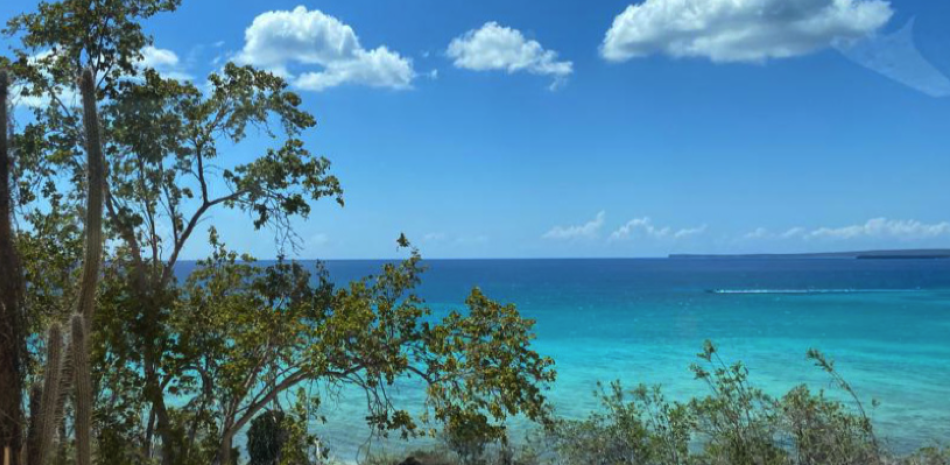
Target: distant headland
913,254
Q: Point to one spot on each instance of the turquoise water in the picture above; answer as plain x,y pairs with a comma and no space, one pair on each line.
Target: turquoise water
886,323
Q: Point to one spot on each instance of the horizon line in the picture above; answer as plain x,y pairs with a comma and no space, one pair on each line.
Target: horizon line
924,253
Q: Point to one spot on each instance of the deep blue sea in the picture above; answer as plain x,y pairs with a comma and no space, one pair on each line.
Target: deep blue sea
886,323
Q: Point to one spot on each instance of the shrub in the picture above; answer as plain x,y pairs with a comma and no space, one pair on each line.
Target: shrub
637,427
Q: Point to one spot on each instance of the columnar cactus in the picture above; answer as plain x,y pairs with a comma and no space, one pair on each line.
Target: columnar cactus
95,173
69,371
83,389
31,449
49,411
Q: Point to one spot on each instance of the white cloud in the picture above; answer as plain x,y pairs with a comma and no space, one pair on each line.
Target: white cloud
763,233
793,232
877,228
740,30
895,56
165,61
758,233
498,48
687,232
278,39
646,228
587,230
158,57
69,96
885,228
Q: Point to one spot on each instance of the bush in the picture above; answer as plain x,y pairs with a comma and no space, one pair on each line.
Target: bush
637,427
736,423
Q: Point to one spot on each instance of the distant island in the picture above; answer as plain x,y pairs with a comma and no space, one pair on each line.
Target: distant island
918,254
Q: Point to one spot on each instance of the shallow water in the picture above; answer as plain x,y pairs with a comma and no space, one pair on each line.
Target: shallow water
886,323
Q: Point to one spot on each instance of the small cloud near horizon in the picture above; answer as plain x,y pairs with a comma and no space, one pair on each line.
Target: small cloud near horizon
876,228
588,230
644,227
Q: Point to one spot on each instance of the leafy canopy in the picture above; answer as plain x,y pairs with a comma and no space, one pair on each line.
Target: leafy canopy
183,366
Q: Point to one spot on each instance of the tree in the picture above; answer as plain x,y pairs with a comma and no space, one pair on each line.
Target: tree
246,335
63,373
235,336
12,347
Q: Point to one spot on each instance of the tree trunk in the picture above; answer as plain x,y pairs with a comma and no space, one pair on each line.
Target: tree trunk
224,452
154,394
12,348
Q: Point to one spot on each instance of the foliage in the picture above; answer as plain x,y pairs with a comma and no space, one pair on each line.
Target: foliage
637,427
735,423
183,366
68,373
235,336
277,437
823,431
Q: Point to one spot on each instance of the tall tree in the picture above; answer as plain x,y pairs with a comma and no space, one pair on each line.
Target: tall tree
160,137
235,336
12,333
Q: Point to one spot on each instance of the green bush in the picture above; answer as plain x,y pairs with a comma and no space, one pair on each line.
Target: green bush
734,424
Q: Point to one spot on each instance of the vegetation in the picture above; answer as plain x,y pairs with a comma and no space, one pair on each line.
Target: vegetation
234,339
735,423
134,365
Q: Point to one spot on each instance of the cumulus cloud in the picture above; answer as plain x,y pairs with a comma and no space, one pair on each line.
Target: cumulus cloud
877,228
885,228
494,47
165,61
793,232
67,95
758,233
644,227
687,232
588,230
740,30
277,40
153,57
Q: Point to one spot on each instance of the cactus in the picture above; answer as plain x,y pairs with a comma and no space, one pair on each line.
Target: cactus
69,372
83,389
31,448
49,415
95,172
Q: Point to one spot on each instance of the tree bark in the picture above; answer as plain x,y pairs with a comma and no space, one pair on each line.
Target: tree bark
224,452
12,340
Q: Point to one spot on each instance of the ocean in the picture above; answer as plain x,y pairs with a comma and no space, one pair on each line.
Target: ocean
886,323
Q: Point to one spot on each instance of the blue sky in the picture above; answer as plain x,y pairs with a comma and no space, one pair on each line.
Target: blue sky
574,128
